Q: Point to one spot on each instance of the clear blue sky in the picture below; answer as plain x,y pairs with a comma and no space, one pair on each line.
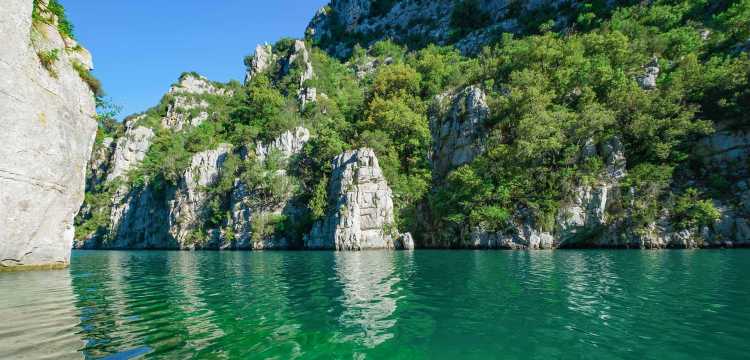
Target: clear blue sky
140,47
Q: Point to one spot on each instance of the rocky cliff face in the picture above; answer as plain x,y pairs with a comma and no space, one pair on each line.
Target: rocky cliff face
260,62
188,105
287,145
130,149
98,166
457,125
583,218
257,189
418,22
362,207
150,216
592,213
47,129
138,220
188,208
251,210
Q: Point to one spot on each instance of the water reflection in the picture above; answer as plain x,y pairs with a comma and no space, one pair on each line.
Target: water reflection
201,328
368,297
38,316
421,305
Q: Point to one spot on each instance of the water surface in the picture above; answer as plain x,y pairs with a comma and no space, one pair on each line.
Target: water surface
376,305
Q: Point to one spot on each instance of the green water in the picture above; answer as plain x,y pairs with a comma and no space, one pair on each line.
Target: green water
378,305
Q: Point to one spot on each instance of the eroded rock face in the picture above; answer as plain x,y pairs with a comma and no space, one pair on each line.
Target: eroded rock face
726,148
299,56
362,206
585,213
307,95
163,217
47,128
187,209
732,228
523,237
195,84
261,61
288,144
133,223
457,126
99,163
139,220
248,208
179,113
405,242
187,108
130,149
426,20
369,66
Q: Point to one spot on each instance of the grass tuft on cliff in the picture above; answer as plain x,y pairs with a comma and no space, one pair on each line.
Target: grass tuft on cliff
93,83
48,59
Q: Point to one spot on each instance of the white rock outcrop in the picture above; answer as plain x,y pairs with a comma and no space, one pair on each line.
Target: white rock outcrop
195,84
306,96
362,206
457,126
187,107
47,127
130,149
288,144
647,80
179,113
586,208
369,65
187,210
523,237
260,62
299,56
405,242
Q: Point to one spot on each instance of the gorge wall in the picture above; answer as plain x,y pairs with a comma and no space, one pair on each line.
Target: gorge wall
47,128
581,125
254,182
468,25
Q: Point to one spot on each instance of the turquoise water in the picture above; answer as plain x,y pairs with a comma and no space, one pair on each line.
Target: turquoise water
377,305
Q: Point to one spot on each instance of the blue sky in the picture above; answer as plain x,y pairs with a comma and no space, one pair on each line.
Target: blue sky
140,47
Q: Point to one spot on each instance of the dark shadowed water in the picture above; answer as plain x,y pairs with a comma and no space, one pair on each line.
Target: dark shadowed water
378,305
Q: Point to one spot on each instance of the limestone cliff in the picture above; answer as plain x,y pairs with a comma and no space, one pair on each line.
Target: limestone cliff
594,212
343,23
457,125
47,130
131,209
253,209
188,105
188,208
130,149
362,207
550,163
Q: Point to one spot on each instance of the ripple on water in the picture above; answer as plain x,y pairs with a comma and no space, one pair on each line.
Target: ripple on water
412,305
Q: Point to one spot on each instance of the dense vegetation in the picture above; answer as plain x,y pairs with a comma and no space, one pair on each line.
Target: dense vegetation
550,93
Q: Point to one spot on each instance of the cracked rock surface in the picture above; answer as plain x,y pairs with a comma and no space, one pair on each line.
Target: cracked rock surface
47,128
